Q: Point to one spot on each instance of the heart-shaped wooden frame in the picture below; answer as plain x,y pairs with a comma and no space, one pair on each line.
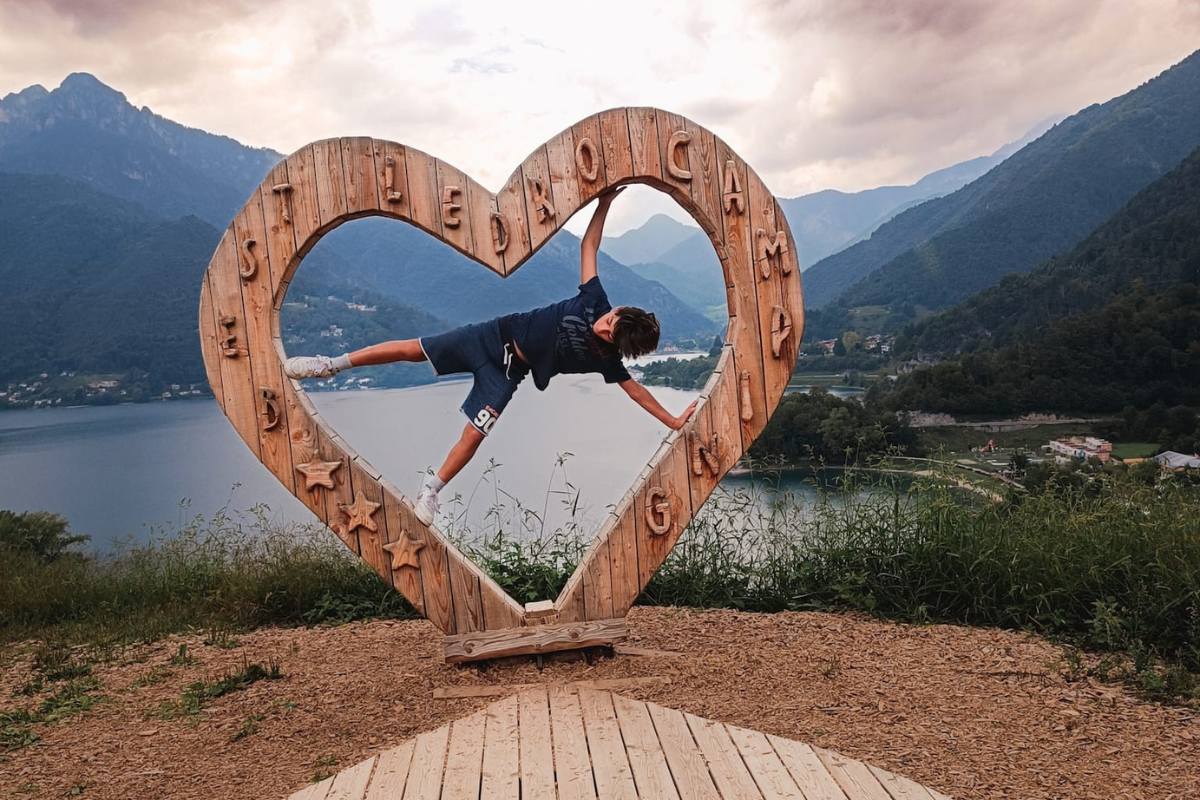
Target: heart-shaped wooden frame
332,181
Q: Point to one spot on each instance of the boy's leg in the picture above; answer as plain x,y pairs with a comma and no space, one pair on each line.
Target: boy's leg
461,453
388,352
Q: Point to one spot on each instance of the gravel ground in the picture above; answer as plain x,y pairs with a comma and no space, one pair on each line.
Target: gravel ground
975,713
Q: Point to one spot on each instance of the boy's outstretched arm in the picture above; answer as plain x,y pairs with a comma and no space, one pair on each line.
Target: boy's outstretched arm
641,395
590,245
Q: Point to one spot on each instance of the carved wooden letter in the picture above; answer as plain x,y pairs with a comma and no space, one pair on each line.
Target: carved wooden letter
249,260
771,247
679,141
705,456
389,181
781,329
271,416
734,198
499,233
229,347
747,403
285,189
545,210
658,511
585,159
450,206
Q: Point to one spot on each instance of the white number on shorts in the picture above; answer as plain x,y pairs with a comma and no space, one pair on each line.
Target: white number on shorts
485,419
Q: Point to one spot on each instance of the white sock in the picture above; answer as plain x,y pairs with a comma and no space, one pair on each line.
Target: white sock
434,482
342,362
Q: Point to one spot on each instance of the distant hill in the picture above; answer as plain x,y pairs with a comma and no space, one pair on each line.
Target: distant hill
1113,324
1040,201
88,131
95,285
691,270
648,241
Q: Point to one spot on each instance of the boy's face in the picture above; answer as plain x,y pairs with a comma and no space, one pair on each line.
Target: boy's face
605,324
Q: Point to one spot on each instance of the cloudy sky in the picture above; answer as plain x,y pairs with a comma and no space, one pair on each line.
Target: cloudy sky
845,94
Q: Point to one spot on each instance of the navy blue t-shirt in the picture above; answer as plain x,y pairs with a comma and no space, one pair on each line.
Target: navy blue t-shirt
558,338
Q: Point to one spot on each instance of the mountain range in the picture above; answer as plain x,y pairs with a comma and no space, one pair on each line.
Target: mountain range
1040,201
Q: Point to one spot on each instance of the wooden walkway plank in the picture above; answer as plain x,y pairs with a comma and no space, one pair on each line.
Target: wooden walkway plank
688,767
650,770
725,765
391,773
806,769
610,764
351,784
429,757
855,778
464,764
900,787
537,755
501,778
768,771
571,765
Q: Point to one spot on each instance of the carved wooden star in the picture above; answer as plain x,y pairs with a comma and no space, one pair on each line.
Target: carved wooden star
404,551
358,514
318,473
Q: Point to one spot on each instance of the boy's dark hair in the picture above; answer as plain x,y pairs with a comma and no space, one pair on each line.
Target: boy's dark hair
635,333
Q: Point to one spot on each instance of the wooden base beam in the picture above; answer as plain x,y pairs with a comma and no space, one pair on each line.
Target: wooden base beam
534,640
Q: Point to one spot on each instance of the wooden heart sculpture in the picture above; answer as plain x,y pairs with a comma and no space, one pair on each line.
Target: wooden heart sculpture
329,182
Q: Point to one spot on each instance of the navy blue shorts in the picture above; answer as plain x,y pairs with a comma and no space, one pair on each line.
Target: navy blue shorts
479,350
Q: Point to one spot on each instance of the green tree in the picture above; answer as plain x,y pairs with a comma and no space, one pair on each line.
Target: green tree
44,535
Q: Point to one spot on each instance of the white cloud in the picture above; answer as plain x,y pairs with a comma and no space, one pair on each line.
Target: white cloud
844,94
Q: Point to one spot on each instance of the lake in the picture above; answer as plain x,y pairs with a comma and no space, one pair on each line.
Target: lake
121,472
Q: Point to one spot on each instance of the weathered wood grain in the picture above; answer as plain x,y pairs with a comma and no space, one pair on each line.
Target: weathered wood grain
537,639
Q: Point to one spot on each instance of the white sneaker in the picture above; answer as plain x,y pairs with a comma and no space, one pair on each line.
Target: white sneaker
309,367
427,505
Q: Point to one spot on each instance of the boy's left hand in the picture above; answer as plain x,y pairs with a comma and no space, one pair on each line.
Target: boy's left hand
682,419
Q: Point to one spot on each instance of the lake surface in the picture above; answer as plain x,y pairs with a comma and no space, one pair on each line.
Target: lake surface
122,472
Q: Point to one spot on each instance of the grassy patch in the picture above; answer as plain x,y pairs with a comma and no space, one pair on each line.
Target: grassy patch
200,693
1134,449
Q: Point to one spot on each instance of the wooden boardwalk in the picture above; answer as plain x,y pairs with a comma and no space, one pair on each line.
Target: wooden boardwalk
568,744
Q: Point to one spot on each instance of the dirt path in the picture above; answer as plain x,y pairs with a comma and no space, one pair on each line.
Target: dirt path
975,713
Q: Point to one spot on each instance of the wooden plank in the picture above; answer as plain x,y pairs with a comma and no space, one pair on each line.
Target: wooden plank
564,176
370,542
588,129
330,180
511,201
626,579
400,527
456,223
618,154
853,776
537,755
391,772
482,205
478,645
358,167
280,243
535,172
688,767
717,415
806,769
499,610
305,206
397,173
668,125
597,583
435,582
237,379
274,445
464,764
424,202
777,370
314,791
499,690
211,337
705,185
789,282
744,328
643,143
342,493
501,775
670,474
898,786
464,589
610,764
305,445
645,752
425,772
351,784
572,768
769,773
726,767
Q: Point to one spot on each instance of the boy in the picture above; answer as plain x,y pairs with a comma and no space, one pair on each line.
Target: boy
582,334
